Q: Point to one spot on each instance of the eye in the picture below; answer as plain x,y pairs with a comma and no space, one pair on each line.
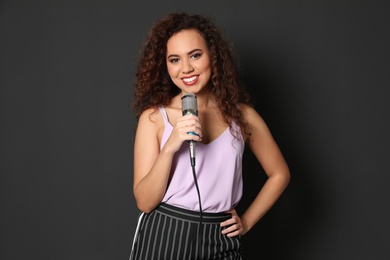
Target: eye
174,60
196,55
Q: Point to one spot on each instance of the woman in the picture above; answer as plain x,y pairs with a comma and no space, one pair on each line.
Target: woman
188,212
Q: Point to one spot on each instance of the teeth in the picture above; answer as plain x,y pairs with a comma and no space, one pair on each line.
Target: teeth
188,80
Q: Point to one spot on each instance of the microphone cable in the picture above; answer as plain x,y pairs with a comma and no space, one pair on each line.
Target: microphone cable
200,207
190,106
197,190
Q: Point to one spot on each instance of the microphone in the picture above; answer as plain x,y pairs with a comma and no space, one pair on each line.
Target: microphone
189,106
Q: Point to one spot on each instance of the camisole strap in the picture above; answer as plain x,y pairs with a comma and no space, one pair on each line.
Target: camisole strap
164,114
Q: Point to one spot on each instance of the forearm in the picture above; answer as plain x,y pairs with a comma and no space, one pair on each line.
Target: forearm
151,189
266,198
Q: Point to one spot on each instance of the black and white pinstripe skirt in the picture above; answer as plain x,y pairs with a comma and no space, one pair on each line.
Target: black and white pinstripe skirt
172,233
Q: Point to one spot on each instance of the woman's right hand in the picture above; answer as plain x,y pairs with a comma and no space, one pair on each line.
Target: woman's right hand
187,128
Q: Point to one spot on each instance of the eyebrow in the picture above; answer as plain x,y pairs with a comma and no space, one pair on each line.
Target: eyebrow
188,53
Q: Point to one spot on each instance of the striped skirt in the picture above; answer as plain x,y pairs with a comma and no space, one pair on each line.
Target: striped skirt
172,233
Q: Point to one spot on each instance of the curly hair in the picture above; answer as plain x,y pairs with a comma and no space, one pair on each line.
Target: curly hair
154,87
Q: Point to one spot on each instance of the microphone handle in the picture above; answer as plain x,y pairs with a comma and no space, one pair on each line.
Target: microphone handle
192,152
193,112
191,142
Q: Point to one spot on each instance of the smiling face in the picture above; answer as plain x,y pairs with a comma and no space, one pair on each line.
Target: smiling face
188,61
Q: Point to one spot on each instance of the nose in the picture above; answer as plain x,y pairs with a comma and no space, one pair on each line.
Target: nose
187,67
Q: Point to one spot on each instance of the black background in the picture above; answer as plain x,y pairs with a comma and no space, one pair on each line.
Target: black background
318,71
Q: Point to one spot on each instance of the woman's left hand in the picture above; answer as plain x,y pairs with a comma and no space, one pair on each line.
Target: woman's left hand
233,226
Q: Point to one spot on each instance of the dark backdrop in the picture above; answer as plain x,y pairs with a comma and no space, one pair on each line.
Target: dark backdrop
318,71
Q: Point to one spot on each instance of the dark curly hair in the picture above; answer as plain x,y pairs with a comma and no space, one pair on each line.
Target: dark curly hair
154,87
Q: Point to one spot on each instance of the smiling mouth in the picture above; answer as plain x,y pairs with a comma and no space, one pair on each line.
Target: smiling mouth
190,80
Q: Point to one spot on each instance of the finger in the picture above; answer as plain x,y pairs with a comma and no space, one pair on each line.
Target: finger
188,118
233,234
232,230
234,219
228,222
191,130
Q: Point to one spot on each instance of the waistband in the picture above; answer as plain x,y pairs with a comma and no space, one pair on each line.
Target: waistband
190,215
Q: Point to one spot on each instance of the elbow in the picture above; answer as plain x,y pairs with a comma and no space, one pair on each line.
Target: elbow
283,177
285,172
143,201
287,177
146,206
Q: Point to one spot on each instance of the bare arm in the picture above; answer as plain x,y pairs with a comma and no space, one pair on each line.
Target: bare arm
270,157
152,166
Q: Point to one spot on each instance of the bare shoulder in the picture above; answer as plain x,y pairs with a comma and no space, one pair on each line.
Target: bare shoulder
251,116
150,116
248,111
256,125
150,122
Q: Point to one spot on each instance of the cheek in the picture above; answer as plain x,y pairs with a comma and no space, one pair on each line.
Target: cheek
207,69
206,65
171,70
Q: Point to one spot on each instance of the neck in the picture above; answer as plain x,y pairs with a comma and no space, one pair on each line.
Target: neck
204,99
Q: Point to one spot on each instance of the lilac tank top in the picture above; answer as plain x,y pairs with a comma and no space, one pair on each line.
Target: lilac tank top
218,169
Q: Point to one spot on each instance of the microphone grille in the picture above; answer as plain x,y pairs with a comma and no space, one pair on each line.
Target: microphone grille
189,102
